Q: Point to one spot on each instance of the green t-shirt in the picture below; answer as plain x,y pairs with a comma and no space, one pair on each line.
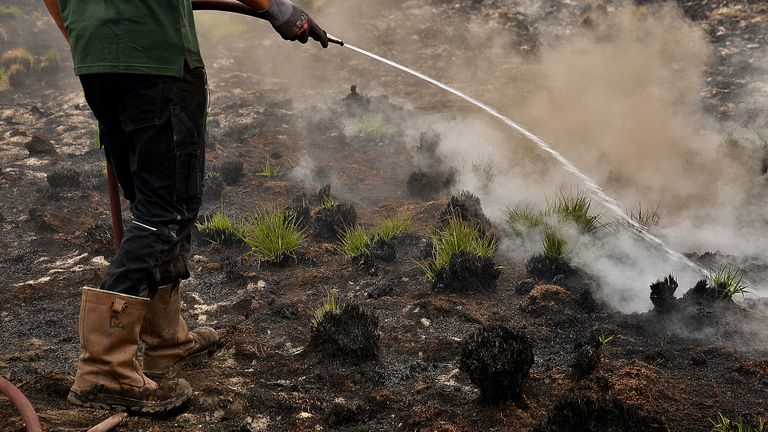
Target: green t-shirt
131,36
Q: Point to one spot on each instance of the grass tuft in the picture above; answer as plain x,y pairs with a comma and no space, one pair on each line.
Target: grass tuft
329,203
4,84
604,340
269,171
523,219
13,11
723,424
220,228
728,280
16,74
567,208
576,208
52,56
273,235
372,125
553,243
18,56
355,243
646,217
457,236
484,170
51,61
393,227
330,306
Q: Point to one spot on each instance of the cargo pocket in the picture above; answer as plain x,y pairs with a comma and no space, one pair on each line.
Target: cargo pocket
186,151
142,104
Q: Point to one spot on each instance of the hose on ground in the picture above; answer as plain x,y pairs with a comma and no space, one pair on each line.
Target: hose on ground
28,414
110,423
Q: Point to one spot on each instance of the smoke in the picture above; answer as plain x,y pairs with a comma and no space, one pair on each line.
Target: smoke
618,88
622,100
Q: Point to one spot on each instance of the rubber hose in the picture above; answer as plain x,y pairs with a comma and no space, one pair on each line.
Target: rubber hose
225,6
28,414
110,423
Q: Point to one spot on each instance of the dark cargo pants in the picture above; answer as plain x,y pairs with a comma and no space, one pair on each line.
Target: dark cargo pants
152,128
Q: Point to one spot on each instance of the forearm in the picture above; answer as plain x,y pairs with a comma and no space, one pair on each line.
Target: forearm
53,9
258,5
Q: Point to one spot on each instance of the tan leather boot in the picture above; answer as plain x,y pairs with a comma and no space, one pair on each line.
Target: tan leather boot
108,374
168,343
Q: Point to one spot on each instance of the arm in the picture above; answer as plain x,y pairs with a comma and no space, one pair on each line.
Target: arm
288,20
53,9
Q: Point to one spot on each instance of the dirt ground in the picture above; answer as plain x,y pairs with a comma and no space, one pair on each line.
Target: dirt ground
56,239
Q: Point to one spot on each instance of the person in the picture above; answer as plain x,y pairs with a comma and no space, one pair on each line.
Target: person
143,77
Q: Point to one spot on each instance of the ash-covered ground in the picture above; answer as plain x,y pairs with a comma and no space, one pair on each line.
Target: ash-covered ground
663,103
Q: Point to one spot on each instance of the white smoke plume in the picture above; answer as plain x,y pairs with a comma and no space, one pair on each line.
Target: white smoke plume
617,88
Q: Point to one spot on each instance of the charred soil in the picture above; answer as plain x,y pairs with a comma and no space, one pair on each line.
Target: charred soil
267,373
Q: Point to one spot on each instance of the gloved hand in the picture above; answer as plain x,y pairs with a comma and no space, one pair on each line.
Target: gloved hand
292,23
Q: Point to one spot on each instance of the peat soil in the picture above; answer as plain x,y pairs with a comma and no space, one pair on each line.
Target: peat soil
664,372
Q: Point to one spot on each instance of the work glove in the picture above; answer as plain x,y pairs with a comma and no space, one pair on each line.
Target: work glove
292,23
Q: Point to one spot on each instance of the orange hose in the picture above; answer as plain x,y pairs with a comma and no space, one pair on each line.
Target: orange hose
110,423
28,414
225,6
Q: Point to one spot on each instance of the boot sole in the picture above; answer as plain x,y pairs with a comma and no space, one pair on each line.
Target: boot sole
189,360
106,401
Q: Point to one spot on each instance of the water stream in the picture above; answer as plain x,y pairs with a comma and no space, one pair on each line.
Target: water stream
594,190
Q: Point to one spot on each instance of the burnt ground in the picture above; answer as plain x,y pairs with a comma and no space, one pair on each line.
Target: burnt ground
264,375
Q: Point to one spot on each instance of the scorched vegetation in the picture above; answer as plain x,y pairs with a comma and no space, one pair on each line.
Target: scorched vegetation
462,258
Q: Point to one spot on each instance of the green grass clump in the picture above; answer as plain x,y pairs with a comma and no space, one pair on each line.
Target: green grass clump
484,170
18,56
728,280
273,235
523,219
604,339
13,11
723,424
553,243
559,222
4,84
355,243
646,217
52,56
269,170
51,61
220,228
567,208
457,236
576,208
372,125
330,306
220,221
16,74
393,227
329,203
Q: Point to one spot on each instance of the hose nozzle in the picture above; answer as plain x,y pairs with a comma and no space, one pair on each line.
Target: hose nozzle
334,40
